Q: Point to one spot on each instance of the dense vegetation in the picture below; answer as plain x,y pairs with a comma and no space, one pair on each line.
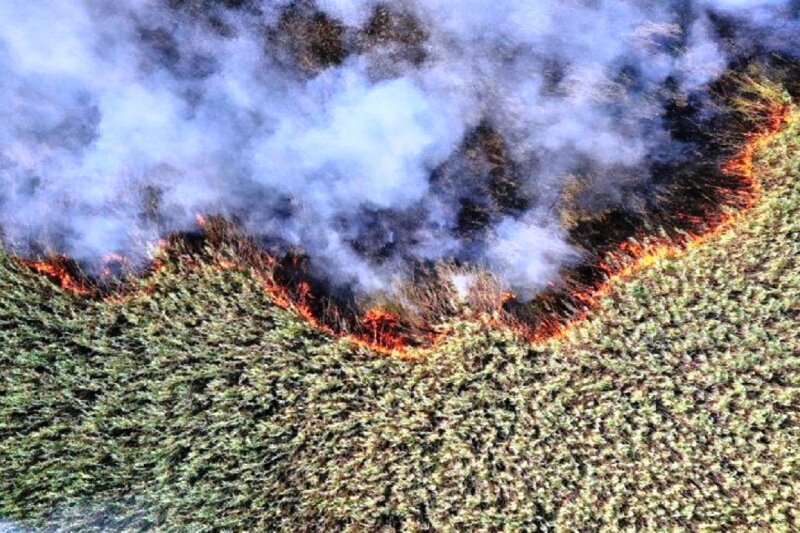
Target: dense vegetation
199,405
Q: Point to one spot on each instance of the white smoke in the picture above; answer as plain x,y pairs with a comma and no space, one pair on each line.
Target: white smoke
120,121
10,527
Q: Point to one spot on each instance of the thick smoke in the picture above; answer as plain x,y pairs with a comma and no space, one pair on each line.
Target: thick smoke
370,136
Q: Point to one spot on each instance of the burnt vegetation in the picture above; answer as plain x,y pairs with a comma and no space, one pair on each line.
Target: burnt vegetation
695,194
307,39
483,180
688,193
691,194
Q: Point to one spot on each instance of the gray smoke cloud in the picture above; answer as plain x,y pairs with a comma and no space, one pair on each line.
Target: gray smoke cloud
121,121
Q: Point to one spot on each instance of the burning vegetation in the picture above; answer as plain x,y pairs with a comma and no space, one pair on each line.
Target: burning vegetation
618,213
62,271
703,201
653,384
674,406
702,197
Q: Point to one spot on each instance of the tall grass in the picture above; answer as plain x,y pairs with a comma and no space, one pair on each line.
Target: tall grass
198,405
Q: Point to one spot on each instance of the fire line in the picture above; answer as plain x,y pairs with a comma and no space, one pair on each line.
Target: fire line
383,331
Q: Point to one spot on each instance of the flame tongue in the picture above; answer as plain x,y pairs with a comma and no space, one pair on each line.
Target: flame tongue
384,328
379,330
630,257
57,268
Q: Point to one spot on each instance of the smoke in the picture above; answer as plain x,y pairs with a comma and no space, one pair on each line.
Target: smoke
370,136
9,527
127,514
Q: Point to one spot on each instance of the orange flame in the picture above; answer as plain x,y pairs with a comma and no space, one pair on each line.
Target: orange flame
384,328
55,268
632,257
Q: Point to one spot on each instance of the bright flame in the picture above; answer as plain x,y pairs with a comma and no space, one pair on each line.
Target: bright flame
55,268
384,328
632,257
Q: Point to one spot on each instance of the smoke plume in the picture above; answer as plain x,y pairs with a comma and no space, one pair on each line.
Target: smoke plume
370,136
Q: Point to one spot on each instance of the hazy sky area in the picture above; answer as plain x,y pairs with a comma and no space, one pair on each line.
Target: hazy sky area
121,121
